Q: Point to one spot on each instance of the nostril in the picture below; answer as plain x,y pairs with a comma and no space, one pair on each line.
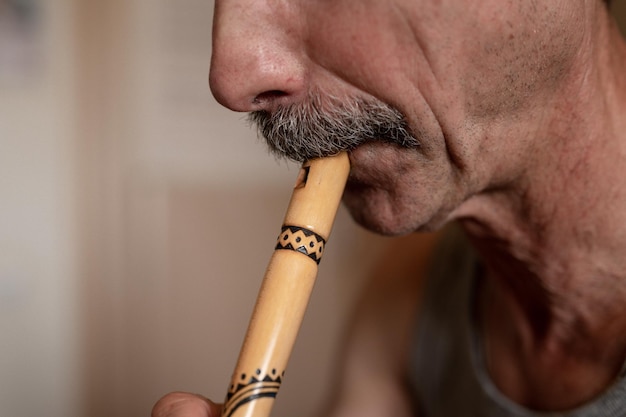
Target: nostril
269,96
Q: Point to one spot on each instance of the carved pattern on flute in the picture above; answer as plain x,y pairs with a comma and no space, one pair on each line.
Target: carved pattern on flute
252,388
301,240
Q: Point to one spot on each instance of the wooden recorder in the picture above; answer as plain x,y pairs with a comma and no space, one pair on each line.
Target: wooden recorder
286,288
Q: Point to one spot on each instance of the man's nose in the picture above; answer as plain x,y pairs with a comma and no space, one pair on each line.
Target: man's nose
257,61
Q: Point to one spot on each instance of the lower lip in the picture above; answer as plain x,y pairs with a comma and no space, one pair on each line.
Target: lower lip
379,163
360,159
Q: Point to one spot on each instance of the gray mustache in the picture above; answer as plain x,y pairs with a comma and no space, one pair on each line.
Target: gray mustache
320,127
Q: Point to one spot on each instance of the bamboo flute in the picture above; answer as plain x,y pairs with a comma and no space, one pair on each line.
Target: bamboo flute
286,287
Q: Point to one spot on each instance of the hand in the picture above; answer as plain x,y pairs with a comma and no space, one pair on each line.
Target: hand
181,404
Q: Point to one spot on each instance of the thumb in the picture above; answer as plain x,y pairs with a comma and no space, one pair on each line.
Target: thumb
181,404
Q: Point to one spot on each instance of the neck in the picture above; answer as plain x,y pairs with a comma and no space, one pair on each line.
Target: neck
553,241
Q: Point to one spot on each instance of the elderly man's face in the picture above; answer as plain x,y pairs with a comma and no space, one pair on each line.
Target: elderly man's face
451,72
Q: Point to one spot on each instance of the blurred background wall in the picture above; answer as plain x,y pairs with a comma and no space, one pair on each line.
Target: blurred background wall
40,341
137,217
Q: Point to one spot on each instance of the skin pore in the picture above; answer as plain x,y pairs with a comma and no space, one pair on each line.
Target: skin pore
516,106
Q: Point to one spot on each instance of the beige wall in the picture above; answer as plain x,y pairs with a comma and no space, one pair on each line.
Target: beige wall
39,334
137,219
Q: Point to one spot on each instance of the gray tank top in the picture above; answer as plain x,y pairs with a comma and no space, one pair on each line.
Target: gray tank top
447,369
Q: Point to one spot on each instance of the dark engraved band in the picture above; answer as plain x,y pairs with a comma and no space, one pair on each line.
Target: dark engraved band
254,389
301,240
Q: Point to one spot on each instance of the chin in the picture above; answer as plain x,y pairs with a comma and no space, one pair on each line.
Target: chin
376,211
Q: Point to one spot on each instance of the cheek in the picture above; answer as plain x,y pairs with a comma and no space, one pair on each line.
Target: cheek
524,54
357,42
